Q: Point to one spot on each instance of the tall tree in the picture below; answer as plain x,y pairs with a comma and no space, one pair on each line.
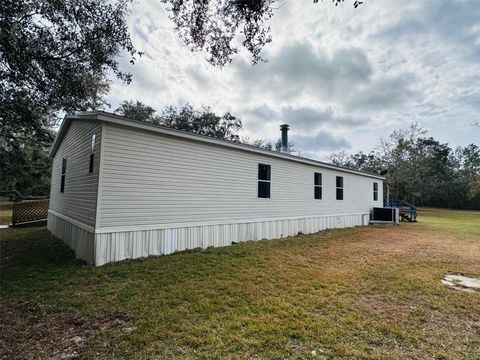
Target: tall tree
468,159
54,58
213,25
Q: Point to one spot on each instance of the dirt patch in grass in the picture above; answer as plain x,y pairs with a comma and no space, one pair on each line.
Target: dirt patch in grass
29,332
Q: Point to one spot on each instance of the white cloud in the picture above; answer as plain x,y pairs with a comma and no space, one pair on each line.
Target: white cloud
341,77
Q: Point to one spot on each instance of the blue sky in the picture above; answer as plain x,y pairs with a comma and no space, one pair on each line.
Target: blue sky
341,77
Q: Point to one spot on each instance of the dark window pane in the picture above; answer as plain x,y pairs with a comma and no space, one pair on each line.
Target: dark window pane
64,171
263,172
375,196
263,189
375,186
92,159
340,181
64,165
318,179
339,194
318,192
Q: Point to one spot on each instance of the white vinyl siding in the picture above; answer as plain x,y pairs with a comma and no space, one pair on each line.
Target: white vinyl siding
78,201
155,179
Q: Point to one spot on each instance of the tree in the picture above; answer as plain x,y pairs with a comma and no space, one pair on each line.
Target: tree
258,143
25,168
214,25
54,58
136,110
266,145
201,121
468,159
422,170
290,146
360,161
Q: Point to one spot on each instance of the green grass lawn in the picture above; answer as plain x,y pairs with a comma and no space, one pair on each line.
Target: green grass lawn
461,224
371,292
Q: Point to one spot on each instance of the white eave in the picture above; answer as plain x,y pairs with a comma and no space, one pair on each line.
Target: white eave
120,120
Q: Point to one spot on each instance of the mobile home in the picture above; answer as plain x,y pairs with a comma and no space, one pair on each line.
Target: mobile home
124,189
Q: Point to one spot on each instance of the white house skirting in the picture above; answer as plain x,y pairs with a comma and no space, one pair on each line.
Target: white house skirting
101,248
76,237
116,246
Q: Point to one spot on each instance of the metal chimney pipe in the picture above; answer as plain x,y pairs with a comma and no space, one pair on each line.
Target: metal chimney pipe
284,129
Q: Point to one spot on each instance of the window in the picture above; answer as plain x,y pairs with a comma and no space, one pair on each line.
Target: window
339,187
264,177
94,137
90,167
92,155
317,185
375,191
64,171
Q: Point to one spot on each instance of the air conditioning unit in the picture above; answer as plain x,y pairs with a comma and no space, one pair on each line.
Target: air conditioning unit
385,215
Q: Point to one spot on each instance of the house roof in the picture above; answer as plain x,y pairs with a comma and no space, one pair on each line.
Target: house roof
140,125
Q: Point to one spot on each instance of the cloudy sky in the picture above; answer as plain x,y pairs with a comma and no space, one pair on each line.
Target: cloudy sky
341,77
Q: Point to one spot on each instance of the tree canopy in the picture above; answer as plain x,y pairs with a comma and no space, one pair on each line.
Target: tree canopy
201,121
420,169
54,58
136,110
213,26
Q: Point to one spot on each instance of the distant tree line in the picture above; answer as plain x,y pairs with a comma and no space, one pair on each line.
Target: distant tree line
422,170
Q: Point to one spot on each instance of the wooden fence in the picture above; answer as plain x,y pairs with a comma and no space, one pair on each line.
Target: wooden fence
29,211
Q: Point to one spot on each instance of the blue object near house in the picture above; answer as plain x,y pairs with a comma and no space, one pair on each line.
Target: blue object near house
408,212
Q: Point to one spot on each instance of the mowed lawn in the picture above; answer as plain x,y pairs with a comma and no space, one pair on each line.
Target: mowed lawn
369,292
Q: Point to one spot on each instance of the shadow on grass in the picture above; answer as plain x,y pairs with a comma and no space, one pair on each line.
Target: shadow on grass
32,247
